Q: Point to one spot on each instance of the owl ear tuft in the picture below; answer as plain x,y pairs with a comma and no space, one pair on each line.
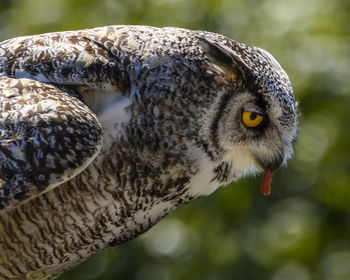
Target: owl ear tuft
224,62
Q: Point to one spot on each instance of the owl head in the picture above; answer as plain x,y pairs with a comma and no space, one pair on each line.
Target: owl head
256,119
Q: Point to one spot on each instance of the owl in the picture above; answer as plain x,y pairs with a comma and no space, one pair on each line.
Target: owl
105,131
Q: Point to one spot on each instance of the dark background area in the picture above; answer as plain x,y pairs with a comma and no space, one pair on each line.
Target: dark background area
300,232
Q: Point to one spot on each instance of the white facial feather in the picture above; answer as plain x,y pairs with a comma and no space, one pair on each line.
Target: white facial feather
241,163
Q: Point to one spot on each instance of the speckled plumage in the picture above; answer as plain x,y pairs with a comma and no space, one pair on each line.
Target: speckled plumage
105,131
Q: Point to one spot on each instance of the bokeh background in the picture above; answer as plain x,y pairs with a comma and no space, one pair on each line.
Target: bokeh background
300,232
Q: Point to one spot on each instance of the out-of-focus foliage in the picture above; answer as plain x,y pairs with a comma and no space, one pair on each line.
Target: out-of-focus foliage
300,232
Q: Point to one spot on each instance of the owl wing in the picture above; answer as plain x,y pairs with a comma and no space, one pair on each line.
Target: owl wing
73,58
47,136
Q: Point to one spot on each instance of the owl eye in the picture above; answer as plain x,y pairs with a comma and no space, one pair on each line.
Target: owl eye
251,119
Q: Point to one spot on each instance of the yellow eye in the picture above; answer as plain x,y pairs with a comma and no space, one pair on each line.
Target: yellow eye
251,119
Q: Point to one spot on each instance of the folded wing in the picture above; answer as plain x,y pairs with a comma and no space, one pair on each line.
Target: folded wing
47,136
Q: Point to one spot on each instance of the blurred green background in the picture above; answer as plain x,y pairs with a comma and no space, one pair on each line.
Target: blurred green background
300,232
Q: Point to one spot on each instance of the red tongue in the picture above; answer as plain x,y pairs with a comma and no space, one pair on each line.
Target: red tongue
266,182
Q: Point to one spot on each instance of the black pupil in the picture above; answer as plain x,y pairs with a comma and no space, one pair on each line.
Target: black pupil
253,116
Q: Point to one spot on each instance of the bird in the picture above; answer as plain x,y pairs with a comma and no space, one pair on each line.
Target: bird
105,131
